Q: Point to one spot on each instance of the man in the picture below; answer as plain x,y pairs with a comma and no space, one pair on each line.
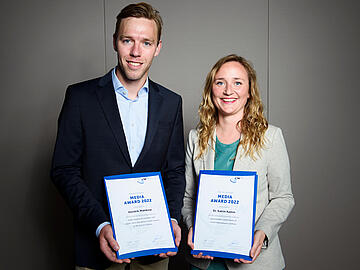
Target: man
118,124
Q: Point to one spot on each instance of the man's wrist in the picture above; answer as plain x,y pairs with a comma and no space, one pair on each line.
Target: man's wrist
102,225
173,219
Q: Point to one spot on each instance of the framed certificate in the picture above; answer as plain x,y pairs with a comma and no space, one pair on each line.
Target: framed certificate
225,214
139,214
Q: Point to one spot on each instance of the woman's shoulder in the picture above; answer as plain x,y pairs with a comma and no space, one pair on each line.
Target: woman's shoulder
272,132
193,134
192,142
272,129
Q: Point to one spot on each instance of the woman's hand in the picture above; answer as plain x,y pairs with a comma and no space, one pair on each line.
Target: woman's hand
259,237
191,245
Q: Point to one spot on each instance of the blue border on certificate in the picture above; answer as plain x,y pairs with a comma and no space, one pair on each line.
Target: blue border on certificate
148,251
227,254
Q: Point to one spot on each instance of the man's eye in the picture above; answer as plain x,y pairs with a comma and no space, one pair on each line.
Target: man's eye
147,43
126,41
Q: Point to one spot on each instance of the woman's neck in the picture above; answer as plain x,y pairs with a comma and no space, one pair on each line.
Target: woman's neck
227,129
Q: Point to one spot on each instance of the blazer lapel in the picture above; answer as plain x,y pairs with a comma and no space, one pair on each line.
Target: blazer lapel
154,104
242,162
107,98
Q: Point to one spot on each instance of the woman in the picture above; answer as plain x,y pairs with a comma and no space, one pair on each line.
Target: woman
233,134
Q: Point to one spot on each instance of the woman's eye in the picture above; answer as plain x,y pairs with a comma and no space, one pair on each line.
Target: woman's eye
219,83
238,83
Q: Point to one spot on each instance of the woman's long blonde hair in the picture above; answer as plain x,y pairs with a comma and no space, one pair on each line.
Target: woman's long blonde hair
253,124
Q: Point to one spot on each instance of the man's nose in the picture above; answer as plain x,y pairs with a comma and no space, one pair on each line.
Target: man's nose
135,50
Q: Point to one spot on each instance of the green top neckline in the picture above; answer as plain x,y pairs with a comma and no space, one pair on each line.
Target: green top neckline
227,145
225,155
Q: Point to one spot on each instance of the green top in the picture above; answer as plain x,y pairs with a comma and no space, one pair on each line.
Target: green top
225,155
224,160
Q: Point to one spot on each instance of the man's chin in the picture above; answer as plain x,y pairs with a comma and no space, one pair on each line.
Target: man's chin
132,76
135,76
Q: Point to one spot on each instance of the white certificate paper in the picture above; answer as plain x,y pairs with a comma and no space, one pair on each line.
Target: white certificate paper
225,214
139,214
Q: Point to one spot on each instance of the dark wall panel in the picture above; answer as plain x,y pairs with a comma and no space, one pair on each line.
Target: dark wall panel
314,93
45,45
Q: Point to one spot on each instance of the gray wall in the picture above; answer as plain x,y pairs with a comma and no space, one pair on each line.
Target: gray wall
305,53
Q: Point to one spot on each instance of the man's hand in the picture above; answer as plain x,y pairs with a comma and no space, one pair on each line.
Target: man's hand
259,237
191,245
108,245
177,235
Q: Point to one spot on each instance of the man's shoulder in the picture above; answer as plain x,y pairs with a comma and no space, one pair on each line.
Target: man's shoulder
86,85
164,91
91,84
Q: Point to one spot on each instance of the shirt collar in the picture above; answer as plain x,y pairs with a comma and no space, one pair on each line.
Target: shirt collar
119,88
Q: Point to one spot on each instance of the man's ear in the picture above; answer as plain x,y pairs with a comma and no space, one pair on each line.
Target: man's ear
158,48
114,42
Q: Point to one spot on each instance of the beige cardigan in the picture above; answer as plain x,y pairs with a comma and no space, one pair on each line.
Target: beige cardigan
274,196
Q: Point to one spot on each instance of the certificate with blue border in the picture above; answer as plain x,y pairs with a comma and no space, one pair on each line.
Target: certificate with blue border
225,214
139,214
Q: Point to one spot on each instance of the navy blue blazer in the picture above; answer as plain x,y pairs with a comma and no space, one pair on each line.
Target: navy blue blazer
91,144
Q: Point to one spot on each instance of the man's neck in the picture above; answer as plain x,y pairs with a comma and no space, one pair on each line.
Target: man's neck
133,87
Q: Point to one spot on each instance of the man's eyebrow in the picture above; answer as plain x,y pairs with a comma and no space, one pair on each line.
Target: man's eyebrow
130,37
149,39
123,36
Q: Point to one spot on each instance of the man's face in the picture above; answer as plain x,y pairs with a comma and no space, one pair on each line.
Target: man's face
136,46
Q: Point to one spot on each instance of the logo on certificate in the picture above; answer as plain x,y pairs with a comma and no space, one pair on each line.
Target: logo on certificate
141,180
234,179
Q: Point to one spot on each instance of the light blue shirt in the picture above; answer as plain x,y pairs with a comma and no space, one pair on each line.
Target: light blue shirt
134,114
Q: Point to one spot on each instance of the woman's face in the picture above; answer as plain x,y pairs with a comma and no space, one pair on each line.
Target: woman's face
230,90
